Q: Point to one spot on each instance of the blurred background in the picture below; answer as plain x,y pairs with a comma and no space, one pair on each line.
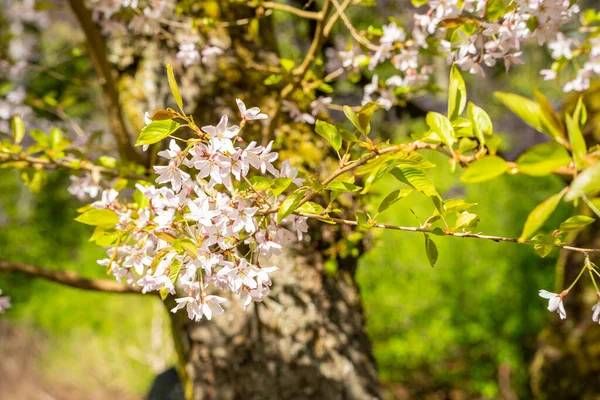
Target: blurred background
464,329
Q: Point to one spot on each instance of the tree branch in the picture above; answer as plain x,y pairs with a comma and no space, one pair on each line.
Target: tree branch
453,234
18,160
292,10
68,278
98,52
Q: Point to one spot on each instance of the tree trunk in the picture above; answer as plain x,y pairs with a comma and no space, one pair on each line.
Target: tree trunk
306,340
567,362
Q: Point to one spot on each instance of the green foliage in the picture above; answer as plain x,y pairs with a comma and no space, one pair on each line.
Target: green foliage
484,169
457,331
156,131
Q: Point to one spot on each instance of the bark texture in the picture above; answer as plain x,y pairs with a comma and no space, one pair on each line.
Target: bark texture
307,340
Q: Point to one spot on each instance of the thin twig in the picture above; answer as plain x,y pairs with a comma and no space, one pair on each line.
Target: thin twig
293,10
65,164
438,232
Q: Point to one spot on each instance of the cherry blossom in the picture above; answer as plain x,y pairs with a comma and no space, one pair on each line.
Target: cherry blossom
555,302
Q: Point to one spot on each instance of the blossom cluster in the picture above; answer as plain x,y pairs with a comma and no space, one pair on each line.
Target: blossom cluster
565,49
149,18
481,40
205,229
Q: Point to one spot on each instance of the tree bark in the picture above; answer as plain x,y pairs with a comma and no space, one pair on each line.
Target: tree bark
306,340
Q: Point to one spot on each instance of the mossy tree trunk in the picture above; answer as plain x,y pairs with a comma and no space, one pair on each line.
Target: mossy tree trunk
306,340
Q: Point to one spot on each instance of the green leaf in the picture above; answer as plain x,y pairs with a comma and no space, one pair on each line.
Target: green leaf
353,117
40,137
441,125
415,178
56,138
431,250
311,208
174,88
98,217
466,220
158,257
550,118
543,159
174,270
364,221
457,205
544,244
484,169
539,215
482,124
279,185
587,182
287,64
261,182
576,222
290,204
457,94
273,79
18,129
576,140
365,114
156,131
392,198
341,186
347,135
330,133
528,110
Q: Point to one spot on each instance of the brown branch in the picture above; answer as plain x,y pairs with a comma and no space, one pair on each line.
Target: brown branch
317,42
68,278
98,52
64,164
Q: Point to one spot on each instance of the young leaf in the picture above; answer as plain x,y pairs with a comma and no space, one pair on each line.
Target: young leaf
543,158
279,185
341,186
431,250
442,126
587,182
18,129
156,131
528,110
311,208
174,270
457,94
392,198
539,215
415,178
353,117
576,140
365,114
174,87
576,222
330,133
98,217
290,204
482,124
466,220
484,169
363,220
